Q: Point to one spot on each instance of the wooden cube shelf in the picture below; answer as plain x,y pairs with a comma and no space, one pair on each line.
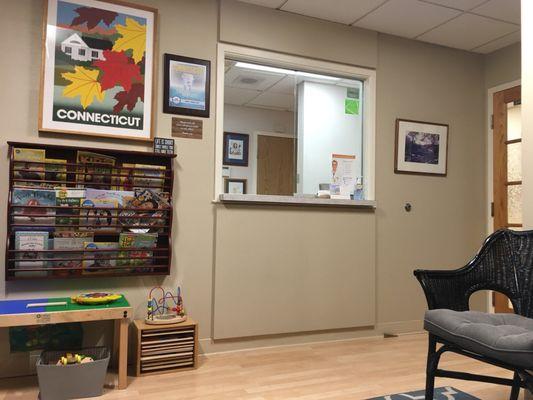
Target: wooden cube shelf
165,348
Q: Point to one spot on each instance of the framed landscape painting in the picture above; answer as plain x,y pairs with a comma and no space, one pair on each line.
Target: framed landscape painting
421,148
97,74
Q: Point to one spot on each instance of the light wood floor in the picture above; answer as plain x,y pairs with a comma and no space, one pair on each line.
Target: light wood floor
357,369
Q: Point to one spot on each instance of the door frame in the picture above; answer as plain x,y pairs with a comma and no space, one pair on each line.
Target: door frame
253,153
489,194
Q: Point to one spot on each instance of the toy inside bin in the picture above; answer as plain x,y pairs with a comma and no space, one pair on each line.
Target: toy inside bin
72,381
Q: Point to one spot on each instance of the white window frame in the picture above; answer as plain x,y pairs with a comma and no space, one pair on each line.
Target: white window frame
367,76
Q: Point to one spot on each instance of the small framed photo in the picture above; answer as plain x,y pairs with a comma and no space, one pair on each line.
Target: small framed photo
235,186
236,149
421,148
186,86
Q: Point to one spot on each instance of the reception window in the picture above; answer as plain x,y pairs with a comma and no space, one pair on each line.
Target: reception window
295,130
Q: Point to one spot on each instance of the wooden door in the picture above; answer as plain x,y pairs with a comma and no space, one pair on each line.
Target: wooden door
275,165
507,170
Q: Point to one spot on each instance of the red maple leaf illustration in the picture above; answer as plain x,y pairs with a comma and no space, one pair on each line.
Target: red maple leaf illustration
129,98
118,69
93,16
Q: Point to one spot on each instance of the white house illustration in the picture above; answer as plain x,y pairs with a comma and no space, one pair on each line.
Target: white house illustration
86,48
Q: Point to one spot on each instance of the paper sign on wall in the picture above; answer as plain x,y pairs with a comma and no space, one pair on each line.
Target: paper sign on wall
342,175
351,106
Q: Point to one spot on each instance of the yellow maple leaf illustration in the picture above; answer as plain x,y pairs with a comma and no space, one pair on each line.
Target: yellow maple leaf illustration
133,37
84,83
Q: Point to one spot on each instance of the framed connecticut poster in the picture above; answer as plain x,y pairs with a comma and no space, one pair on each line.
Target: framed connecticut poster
98,69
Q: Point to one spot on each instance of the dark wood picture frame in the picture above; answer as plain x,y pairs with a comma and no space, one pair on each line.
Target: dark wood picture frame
398,151
226,159
41,123
167,108
227,181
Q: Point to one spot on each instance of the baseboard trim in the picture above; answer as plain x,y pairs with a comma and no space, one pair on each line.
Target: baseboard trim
209,346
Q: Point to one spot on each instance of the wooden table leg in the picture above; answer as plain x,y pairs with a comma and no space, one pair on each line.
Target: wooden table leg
121,325
114,353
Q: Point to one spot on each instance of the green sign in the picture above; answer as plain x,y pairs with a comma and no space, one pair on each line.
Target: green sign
351,106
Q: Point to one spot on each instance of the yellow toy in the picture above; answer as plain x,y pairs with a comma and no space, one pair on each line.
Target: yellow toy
95,298
70,358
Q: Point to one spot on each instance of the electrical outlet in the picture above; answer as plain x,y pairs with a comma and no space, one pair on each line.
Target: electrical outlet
33,358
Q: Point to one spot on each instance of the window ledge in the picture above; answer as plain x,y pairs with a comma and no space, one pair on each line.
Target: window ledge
293,200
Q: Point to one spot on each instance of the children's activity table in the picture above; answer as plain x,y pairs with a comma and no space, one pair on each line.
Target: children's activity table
61,310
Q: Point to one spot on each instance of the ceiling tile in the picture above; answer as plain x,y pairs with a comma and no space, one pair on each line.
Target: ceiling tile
265,3
343,11
499,43
468,32
407,18
286,86
459,4
506,10
251,79
274,100
238,96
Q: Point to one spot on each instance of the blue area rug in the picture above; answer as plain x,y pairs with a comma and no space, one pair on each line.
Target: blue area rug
442,393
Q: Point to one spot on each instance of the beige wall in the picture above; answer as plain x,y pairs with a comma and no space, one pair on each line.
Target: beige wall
415,80
502,66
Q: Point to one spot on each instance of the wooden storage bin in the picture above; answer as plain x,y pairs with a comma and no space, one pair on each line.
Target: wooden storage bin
163,349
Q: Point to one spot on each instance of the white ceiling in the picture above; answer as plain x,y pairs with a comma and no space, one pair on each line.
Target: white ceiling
481,26
252,88
267,89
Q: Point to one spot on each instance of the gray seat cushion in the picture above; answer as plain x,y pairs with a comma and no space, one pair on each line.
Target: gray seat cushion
503,337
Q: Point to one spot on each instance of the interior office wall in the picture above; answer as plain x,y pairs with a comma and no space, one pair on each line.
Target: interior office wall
415,80
445,226
251,120
326,129
186,28
503,66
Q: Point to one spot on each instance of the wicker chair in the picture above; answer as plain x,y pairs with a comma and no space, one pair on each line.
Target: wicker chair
504,264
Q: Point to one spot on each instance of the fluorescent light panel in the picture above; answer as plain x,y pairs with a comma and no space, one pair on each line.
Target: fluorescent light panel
317,76
266,68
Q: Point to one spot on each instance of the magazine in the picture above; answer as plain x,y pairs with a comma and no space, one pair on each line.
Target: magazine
70,240
31,242
28,170
136,240
95,216
145,210
33,197
98,261
66,198
122,197
94,170
146,180
126,178
55,172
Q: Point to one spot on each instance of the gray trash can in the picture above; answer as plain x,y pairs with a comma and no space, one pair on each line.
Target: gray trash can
59,382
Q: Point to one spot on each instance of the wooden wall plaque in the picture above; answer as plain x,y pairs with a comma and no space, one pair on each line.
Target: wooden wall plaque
187,128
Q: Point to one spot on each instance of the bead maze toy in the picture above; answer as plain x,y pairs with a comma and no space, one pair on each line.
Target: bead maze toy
167,309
